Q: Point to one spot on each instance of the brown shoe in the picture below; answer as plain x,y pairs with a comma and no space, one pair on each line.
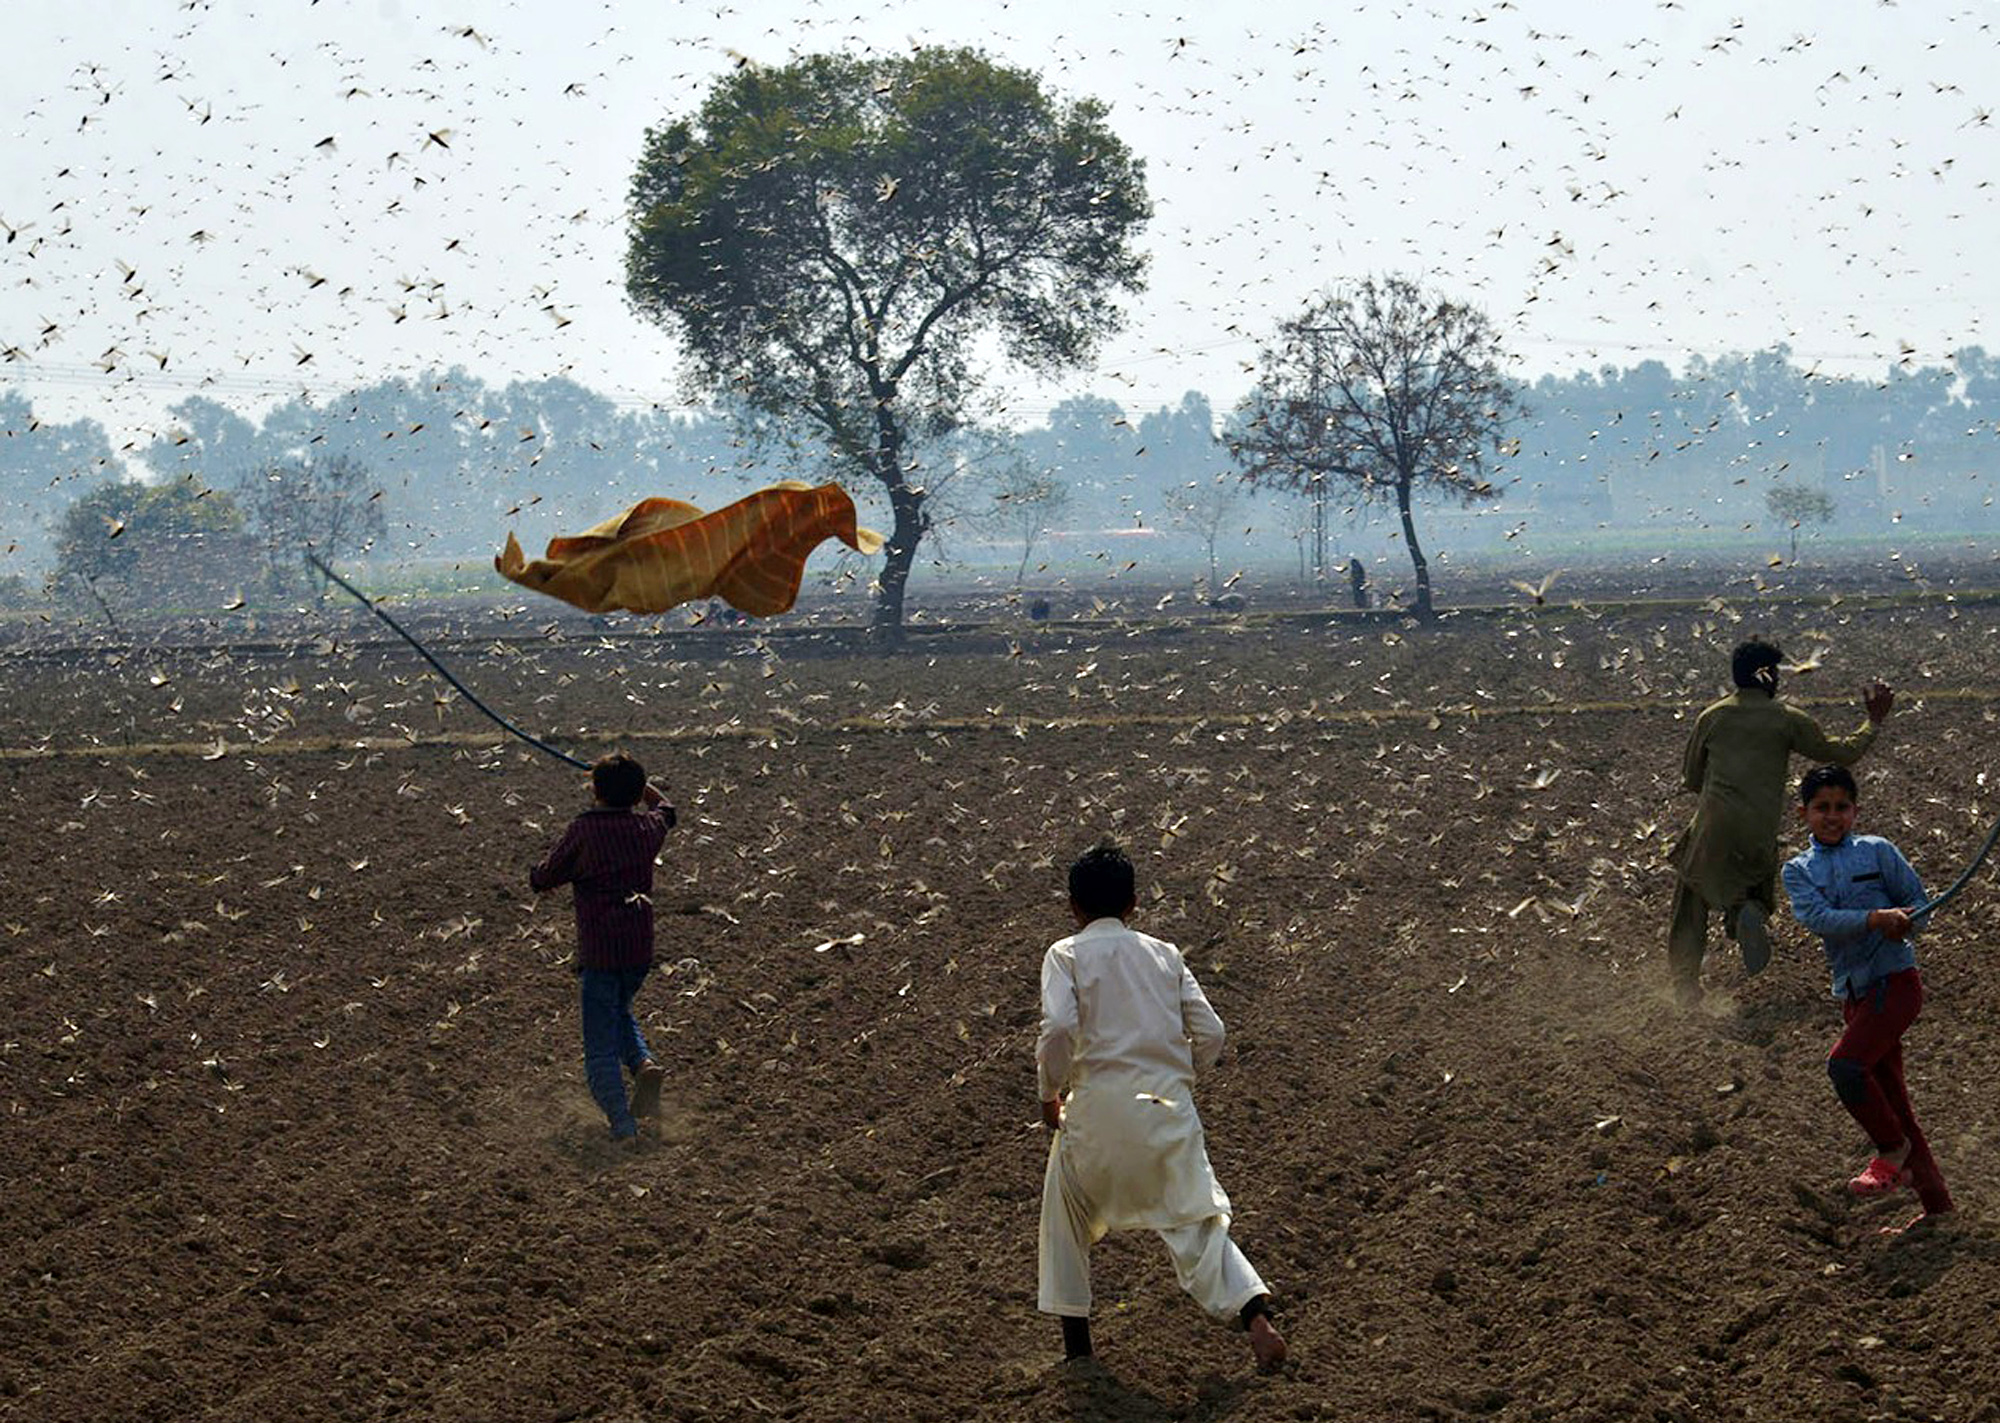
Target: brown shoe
647,1078
1266,1343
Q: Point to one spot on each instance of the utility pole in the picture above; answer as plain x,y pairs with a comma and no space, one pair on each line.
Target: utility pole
1316,480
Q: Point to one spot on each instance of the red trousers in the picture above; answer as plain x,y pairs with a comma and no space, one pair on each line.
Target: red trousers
1866,1066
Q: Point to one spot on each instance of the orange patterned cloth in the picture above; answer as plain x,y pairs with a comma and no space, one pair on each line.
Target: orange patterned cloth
661,552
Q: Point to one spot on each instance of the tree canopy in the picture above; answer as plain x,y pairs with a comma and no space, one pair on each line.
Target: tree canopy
117,530
1387,388
1794,504
44,468
830,240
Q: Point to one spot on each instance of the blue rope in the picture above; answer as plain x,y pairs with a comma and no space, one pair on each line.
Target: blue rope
442,671
1938,901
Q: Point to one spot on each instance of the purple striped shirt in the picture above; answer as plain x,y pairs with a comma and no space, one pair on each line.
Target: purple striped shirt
607,857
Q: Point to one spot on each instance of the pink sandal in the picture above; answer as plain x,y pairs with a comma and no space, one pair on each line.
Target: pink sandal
1881,1178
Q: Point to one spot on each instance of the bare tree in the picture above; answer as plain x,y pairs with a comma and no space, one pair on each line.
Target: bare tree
321,504
1298,519
1202,507
1029,503
1388,388
1793,504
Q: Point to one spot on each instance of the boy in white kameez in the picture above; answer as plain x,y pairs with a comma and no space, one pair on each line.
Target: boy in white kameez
1125,1027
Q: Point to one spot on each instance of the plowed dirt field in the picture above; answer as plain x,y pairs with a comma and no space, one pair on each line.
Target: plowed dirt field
295,1125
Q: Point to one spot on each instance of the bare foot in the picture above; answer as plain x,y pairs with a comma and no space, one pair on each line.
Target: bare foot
646,1080
1920,1224
1266,1343
1082,1370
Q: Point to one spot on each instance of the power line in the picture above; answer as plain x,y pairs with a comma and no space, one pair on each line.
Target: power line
250,383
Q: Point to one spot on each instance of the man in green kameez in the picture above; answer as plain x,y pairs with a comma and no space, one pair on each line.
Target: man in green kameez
1738,763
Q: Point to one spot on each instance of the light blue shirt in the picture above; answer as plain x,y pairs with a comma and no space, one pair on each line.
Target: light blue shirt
1833,888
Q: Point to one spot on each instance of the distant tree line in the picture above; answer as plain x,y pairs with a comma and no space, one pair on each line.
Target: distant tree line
449,460
430,465
1917,447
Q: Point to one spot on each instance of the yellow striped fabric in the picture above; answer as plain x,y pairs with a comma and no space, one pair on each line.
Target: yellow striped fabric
662,552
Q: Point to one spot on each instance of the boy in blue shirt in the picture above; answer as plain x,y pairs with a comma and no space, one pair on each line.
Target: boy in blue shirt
1856,892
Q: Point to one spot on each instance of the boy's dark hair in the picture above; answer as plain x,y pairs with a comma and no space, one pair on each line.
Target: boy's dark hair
1820,777
1755,664
1101,882
618,780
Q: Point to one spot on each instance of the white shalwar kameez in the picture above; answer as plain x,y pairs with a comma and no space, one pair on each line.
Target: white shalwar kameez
1125,1027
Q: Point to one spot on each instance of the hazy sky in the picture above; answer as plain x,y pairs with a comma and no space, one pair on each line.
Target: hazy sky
270,196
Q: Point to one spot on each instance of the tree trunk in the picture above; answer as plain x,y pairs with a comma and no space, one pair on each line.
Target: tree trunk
90,586
1417,561
899,553
885,463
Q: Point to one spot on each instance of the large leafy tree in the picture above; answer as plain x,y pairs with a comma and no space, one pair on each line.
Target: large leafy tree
832,240
1387,388
205,435
115,529
44,468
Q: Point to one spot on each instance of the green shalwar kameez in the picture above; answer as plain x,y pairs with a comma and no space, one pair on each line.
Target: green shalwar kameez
1738,762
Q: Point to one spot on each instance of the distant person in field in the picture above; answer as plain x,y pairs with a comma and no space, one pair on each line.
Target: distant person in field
607,856
1125,1027
1738,763
1857,893
1357,582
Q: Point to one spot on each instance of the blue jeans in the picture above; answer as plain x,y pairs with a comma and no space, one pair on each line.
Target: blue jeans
611,1040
